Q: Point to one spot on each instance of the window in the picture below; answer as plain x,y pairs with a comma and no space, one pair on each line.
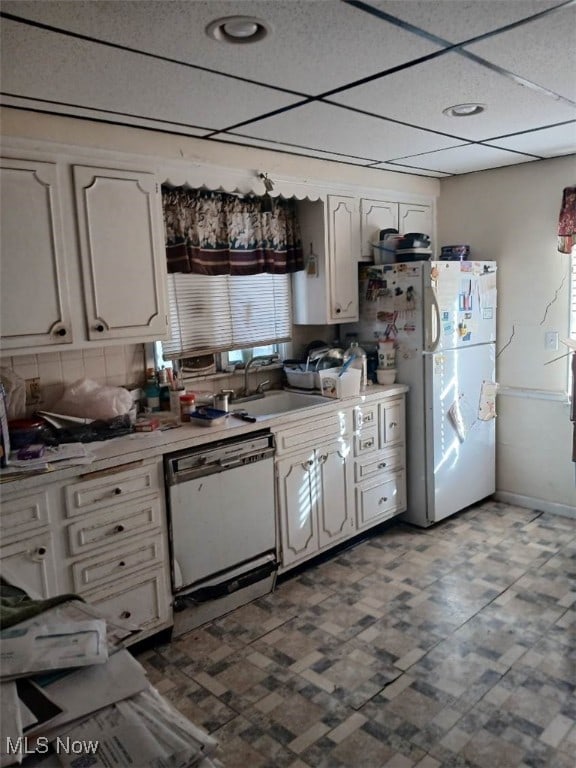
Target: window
220,313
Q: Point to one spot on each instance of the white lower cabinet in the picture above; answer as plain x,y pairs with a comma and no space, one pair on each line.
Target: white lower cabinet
115,537
314,501
338,474
102,536
379,461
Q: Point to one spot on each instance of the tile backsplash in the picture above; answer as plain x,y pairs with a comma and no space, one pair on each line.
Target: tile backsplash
115,366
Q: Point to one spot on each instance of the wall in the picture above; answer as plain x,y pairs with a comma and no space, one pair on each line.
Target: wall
114,366
511,215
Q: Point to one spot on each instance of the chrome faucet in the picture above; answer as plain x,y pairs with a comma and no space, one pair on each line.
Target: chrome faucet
258,361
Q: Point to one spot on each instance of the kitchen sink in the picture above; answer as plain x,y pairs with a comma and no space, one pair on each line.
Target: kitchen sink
276,403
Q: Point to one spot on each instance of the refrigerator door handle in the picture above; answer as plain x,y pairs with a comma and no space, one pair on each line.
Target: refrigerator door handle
432,345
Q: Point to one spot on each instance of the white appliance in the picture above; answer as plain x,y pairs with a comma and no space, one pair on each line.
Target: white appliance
443,317
222,526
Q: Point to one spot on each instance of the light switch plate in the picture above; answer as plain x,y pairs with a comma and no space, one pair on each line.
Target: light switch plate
551,341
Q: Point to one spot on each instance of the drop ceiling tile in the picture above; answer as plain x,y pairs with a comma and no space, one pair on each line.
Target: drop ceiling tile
419,94
464,19
546,142
75,72
465,159
315,46
543,51
275,146
102,116
320,155
331,129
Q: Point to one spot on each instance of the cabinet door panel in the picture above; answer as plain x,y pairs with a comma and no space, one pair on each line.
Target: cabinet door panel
415,218
298,491
122,255
30,565
392,423
374,216
334,483
344,245
33,281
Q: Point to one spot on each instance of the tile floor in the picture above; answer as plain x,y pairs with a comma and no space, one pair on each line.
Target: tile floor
453,646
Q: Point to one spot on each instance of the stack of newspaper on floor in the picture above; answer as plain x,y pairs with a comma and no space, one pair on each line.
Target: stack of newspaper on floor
72,695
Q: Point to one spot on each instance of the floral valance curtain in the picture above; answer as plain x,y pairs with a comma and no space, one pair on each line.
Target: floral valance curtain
567,221
215,233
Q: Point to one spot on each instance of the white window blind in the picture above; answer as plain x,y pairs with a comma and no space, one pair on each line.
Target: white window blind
214,314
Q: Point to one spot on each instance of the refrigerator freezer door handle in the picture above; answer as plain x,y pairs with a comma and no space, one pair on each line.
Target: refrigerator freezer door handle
432,345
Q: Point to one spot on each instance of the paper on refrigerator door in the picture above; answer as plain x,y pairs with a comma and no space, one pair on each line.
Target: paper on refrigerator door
455,416
487,404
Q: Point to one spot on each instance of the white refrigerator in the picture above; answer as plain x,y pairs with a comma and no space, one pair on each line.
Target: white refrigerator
442,315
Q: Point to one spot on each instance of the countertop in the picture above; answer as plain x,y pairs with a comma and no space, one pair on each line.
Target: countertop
146,445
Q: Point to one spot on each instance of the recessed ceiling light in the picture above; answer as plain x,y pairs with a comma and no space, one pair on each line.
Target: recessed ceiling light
464,110
238,29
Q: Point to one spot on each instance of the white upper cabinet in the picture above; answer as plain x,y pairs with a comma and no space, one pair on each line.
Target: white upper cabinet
82,255
34,298
326,292
413,217
121,249
376,215
343,243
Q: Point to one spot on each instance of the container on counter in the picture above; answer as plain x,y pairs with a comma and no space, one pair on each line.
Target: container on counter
360,361
152,391
187,405
386,354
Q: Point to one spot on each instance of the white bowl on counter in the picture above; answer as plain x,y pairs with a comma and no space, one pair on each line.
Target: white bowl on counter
385,375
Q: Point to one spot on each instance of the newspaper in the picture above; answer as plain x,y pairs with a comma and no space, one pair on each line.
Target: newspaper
145,731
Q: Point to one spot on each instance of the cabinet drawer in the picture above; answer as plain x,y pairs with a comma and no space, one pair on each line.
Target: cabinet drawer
391,423
365,416
114,525
366,441
313,432
107,489
380,464
22,515
142,600
93,571
379,502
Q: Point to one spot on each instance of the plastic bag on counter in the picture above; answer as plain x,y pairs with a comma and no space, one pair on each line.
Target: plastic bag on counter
88,399
15,389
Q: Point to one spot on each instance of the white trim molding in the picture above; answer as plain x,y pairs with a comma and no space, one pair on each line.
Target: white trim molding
565,510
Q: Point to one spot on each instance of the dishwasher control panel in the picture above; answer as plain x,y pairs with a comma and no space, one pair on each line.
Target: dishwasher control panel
218,457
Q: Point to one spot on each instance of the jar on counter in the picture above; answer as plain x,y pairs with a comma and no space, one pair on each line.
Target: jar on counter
187,405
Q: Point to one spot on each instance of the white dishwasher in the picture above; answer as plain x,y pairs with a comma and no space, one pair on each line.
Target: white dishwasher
222,525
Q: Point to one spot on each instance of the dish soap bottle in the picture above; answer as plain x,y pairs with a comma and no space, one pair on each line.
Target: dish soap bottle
360,360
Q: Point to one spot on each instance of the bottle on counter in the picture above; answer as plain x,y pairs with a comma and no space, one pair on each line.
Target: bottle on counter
360,360
152,391
177,389
187,405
